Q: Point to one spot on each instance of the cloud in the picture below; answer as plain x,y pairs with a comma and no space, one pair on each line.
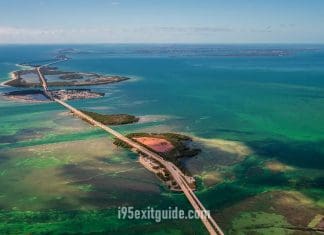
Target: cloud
136,34
194,29
14,31
102,34
31,35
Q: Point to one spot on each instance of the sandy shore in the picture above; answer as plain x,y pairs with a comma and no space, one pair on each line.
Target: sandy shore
12,77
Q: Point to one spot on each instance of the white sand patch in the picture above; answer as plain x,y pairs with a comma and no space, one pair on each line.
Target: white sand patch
24,67
277,166
211,178
229,146
154,118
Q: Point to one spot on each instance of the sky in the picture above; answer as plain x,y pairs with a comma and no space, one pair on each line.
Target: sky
161,21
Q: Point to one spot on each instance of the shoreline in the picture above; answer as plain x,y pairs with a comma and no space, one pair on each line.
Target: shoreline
17,81
12,74
13,77
30,95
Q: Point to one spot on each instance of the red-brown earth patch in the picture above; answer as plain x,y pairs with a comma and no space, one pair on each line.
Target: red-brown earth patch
157,144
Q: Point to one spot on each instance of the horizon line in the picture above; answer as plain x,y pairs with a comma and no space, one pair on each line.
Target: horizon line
163,43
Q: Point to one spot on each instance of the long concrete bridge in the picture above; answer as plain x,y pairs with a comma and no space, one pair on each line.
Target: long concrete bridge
174,171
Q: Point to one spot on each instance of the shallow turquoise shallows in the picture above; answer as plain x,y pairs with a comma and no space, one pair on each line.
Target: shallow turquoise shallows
269,98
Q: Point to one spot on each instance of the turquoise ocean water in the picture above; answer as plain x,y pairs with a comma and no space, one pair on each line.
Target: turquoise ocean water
268,97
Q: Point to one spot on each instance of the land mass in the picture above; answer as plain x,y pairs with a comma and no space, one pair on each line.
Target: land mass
172,147
36,95
112,119
55,77
29,96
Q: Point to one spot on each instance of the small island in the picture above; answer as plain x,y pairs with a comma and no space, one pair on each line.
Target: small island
37,95
28,96
112,119
171,147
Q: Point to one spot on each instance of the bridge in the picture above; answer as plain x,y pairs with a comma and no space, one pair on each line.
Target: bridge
174,171
42,79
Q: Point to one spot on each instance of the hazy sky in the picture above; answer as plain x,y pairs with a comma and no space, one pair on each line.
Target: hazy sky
188,21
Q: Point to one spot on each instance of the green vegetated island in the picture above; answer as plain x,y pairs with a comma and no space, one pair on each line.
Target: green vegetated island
172,147
112,119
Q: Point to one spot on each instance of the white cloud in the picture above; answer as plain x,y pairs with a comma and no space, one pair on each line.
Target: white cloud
102,34
15,31
157,34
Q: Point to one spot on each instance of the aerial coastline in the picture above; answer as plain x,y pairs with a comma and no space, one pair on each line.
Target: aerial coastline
28,78
162,117
235,171
38,76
